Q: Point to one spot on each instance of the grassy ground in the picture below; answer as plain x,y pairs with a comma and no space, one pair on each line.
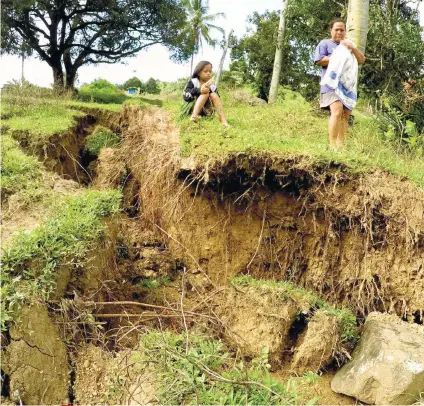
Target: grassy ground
290,127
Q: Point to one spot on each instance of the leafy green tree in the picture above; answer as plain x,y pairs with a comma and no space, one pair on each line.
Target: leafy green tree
199,24
151,86
133,82
68,34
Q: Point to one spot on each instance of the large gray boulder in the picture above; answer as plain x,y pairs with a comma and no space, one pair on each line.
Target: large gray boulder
387,367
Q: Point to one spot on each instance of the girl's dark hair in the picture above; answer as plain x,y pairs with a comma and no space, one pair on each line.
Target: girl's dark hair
199,68
336,20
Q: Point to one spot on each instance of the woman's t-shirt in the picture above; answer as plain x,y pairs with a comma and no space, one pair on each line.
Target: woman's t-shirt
325,48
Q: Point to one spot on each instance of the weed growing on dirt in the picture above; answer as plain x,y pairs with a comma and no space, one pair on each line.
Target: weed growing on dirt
311,377
286,290
100,138
19,172
199,370
30,264
154,283
290,128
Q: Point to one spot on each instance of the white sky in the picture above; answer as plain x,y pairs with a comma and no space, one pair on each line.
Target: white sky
153,62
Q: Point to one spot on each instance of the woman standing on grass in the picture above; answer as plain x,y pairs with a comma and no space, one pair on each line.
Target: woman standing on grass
201,96
329,99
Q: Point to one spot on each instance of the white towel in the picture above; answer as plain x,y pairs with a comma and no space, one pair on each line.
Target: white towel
342,76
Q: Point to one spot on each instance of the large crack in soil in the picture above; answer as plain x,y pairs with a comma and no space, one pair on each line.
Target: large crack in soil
356,240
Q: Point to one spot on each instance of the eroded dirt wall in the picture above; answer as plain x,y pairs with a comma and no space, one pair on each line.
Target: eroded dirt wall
355,239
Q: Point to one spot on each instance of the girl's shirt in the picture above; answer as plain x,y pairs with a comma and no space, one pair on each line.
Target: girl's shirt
325,48
192,90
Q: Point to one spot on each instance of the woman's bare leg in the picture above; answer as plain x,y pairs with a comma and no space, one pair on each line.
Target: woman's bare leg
219,108
344,126
198,106
335,125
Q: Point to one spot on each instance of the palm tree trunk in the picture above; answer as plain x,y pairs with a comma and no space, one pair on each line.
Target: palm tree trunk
357,22
224,54
22,71
278,60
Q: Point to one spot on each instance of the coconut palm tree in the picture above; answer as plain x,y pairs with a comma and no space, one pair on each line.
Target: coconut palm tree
357,22
200,24
278,60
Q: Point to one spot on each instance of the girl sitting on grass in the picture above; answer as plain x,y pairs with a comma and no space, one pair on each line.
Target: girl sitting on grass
201,97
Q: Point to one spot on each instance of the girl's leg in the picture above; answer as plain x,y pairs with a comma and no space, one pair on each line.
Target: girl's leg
219,108
198,106
335,123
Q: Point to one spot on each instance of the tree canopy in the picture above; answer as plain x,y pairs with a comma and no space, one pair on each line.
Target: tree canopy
70,33
395,50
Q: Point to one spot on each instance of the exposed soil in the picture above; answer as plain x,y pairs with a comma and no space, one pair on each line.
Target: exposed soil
356,240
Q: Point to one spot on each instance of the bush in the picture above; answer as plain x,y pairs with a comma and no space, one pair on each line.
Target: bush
100,138
101,91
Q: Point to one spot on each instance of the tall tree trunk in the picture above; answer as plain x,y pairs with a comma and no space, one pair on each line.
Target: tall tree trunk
58,78
71,75
278,60
357,22
191,65
224,54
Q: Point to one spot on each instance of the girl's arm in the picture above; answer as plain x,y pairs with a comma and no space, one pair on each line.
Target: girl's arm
191,92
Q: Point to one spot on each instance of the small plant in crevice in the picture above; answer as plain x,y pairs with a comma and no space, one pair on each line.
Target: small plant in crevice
310,377
153,282
100,138
196,369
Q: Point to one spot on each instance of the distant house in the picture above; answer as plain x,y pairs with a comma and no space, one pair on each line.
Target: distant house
133,90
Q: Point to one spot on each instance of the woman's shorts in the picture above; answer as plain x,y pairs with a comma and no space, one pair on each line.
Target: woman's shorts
325,99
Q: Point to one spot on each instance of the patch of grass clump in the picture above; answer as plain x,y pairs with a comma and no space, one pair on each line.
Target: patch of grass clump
100,138
199,370
19,172
31,262
285,290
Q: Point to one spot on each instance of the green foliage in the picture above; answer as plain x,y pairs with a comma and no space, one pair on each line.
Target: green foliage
311,377
346,319
31,261
82,33
199,370
18,170
151,86
154,282
100,138
101,91
133,82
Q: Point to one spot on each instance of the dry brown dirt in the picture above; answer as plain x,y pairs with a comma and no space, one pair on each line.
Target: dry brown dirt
355,239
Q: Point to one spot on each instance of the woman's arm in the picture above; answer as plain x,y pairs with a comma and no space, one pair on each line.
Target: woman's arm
324,61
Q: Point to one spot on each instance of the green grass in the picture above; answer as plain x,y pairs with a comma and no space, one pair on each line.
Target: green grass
287,290
77,104
19,172
100,138
30,263
290,128
154,282
200,370
41,121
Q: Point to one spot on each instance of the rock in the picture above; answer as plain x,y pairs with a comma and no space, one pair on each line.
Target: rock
257,318
36,359
318,345
387,367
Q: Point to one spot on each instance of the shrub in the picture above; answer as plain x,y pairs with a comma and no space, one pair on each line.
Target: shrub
100,138
101,91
